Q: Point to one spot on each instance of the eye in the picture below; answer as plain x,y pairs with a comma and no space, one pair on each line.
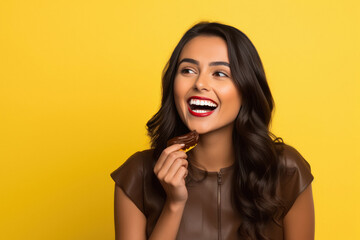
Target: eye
221,74
187,71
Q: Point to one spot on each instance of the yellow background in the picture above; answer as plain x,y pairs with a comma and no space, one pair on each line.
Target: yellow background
79,80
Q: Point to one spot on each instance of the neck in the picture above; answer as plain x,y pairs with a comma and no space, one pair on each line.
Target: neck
215,150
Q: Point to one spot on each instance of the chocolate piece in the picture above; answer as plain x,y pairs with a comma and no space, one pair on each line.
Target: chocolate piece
190,140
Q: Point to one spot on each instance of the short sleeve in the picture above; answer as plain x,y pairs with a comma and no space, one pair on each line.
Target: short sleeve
129,177
296,178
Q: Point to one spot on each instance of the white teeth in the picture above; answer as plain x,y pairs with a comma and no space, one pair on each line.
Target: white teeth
200,111
202,103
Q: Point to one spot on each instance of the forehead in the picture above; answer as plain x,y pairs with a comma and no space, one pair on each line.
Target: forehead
205,48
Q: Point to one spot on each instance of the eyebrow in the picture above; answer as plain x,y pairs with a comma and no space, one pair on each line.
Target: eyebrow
217,63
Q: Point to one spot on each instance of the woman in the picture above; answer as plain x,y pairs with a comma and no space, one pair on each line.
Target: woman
239,182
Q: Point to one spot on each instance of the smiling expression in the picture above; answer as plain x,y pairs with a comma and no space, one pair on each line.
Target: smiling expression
206,97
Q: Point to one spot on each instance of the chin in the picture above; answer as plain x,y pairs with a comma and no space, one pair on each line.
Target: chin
200,129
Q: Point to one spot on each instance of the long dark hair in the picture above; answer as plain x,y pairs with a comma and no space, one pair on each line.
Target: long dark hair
256,167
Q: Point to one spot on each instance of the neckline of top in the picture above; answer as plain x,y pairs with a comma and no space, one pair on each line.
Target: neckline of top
222,170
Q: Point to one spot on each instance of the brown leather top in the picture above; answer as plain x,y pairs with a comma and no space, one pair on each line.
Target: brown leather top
209,213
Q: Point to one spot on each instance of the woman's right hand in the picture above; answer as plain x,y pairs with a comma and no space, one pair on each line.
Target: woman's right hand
171,170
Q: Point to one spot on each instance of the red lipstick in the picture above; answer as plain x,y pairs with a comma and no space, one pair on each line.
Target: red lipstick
199,110
205,114
202,98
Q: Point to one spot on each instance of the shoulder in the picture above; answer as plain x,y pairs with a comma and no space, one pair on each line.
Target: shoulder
291,160
135,165
130,176
295,175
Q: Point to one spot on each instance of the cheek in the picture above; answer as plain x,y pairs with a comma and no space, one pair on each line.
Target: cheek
180,91
177,91
231,99
181,87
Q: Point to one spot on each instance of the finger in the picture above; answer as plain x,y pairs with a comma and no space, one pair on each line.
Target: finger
165,153
170,161
180,174
178,163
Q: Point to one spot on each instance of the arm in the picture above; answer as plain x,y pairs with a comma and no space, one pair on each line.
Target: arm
299,222
168,223
171,169
130,222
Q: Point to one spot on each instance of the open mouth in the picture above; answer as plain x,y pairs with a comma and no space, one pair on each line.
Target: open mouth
201,107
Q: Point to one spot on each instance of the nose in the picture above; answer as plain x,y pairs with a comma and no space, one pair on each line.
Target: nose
202,82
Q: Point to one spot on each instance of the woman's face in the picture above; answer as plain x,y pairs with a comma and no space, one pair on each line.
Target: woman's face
205,95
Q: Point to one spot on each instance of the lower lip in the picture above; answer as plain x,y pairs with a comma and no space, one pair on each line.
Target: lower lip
205,114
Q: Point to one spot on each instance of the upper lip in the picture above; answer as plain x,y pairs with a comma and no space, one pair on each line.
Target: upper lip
202,98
